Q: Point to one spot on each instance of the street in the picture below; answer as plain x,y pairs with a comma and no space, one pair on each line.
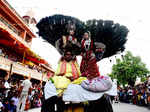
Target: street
124,107
118,107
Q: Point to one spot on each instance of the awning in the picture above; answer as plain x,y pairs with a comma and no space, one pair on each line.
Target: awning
11,42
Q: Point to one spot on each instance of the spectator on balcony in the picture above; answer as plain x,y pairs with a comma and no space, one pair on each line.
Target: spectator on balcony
6,56
1,52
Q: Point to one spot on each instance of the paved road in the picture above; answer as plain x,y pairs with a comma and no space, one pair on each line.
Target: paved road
121,107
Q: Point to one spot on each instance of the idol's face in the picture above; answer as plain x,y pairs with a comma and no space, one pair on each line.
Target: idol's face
68,56
71,32
86,36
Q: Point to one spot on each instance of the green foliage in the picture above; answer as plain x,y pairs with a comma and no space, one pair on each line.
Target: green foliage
128,69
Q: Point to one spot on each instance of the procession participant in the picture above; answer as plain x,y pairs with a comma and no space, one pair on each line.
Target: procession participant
68,66
68,72
89,67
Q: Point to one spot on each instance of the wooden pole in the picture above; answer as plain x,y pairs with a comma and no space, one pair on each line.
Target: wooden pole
23,57
11,69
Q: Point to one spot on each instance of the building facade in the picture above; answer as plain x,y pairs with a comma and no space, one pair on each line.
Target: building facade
16,37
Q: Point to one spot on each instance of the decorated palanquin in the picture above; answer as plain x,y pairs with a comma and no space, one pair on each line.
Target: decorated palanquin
93,40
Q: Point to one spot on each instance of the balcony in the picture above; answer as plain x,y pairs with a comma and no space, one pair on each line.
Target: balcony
14,11
5,63
19,69
8,27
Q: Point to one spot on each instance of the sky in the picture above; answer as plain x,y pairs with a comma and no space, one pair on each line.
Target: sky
132,13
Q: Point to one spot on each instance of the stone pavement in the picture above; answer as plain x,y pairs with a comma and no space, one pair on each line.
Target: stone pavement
118,107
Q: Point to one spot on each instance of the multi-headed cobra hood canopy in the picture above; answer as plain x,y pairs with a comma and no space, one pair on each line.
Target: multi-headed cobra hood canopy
112,35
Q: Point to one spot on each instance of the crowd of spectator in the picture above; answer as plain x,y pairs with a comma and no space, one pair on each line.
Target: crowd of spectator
9,55
138,95
10,94
37,68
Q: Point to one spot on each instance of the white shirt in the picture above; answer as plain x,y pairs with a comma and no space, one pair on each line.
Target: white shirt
33,92
130,92
49,90
6,85
26,85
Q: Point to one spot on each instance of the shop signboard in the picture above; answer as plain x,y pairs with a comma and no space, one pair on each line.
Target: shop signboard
21,72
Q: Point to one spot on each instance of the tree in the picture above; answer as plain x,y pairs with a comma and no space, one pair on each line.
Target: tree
127,69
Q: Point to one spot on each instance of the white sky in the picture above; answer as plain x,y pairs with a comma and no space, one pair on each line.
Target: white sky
132,13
